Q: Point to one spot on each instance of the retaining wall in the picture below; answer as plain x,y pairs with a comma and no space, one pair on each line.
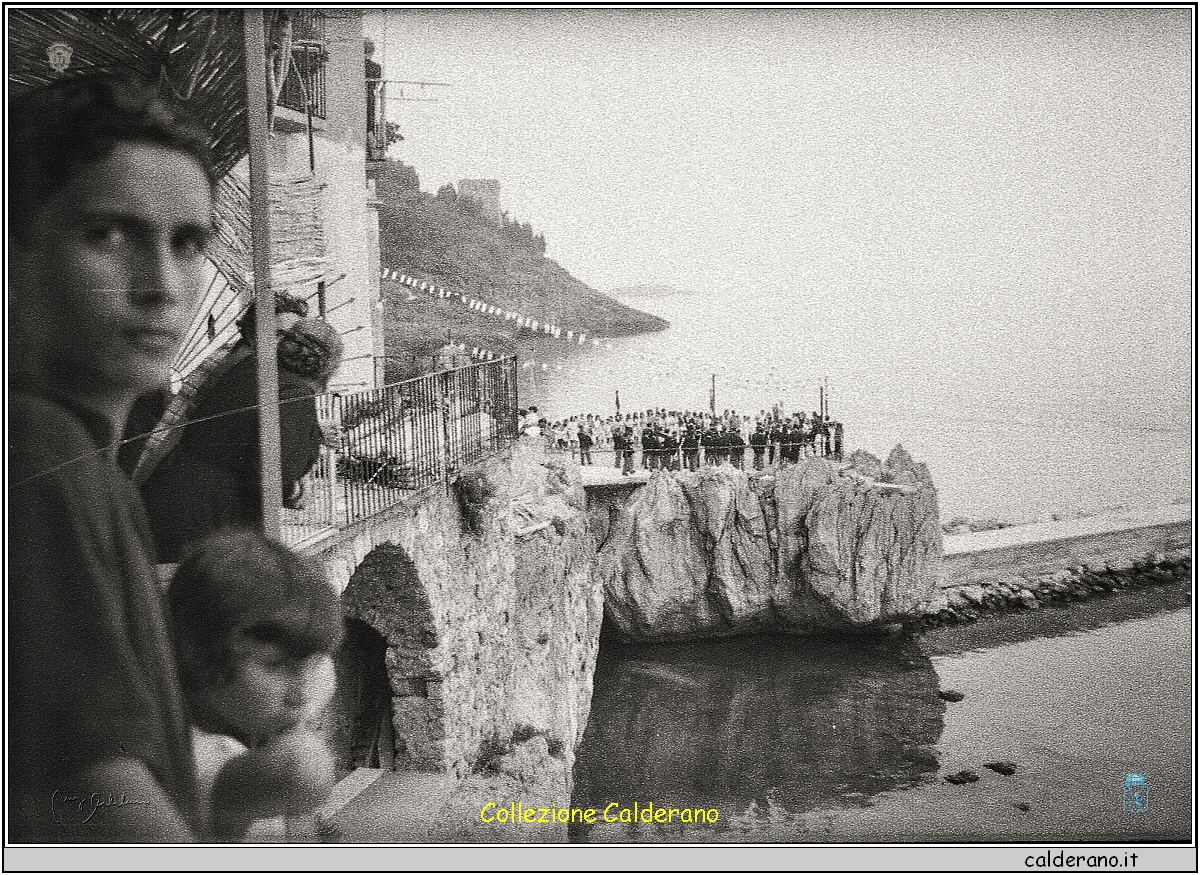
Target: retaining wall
487,628
1116,539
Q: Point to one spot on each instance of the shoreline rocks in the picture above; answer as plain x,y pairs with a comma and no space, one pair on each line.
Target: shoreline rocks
961,525
964,604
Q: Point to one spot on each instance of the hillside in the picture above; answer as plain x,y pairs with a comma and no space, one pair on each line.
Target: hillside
439,240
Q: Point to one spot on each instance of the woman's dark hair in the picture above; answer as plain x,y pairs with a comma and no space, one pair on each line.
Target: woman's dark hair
56,131
238,580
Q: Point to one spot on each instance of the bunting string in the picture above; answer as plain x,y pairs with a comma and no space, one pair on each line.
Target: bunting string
766,383
534,323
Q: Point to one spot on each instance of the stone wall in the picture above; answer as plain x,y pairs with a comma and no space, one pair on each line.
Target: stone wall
491,624
1024,567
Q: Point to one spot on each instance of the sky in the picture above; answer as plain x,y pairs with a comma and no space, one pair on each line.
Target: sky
1022,177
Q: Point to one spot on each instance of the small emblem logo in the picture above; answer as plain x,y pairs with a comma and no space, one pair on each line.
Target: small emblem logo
59,55
1137,798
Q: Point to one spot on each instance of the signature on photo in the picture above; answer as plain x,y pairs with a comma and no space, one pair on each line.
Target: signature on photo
81,807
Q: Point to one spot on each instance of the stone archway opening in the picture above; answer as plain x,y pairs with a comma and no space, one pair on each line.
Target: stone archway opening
391,706
365,734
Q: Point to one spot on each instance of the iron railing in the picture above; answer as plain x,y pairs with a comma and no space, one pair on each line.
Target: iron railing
406,436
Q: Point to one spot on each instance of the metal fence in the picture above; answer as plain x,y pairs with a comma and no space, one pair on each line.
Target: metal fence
402,437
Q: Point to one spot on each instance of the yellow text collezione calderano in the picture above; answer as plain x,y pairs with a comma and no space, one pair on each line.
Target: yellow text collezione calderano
614,812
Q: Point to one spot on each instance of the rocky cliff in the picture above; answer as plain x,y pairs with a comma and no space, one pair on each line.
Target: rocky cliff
717,552
434,240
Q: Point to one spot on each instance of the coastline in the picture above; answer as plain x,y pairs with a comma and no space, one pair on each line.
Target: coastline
963,525
1025,567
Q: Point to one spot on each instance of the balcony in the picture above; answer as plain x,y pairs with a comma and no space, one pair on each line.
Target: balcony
402,438
376,120
304,88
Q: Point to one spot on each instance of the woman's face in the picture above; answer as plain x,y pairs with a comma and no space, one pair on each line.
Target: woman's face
110,283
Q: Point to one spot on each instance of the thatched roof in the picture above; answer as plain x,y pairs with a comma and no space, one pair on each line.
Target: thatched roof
196,54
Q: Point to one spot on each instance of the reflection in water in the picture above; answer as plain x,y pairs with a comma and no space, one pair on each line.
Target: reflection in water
760,722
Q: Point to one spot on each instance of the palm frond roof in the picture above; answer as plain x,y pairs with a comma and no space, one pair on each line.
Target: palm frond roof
195,54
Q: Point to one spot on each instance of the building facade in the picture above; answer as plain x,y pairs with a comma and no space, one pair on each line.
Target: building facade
324,214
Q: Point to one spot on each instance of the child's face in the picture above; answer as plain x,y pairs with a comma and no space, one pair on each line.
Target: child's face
270,691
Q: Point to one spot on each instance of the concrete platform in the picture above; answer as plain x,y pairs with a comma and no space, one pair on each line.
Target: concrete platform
1119,538
394,807
1063,529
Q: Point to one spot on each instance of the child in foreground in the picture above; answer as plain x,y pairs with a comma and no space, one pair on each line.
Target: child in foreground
255,629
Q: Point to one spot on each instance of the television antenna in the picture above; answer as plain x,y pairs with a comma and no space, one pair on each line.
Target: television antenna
422,84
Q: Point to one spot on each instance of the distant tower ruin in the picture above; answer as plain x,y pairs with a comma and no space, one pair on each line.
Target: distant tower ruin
485,192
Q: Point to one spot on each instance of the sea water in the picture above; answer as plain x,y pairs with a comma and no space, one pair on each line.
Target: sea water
1017,418
846,738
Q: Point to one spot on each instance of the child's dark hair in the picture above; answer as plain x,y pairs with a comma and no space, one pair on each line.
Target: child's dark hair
247,323
238,580
55,132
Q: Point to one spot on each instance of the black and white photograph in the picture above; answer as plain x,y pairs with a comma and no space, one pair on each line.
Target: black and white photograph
762,428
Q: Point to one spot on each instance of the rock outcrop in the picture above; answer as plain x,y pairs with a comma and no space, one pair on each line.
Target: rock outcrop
717,552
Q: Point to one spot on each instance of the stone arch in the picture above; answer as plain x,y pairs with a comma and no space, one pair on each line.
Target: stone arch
386,595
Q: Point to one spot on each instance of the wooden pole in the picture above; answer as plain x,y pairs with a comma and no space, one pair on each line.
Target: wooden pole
264,296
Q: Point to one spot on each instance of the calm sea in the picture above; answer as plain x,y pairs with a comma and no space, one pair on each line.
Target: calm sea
1015,420
846,739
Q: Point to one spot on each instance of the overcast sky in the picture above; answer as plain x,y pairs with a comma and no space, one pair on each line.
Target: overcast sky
931,159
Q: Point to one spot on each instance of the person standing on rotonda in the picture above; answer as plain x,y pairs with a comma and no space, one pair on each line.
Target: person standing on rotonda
110,208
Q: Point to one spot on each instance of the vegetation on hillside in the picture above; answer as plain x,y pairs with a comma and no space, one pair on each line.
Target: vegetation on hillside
445,240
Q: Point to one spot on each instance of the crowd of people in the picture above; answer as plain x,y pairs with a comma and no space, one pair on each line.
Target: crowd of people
684,440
